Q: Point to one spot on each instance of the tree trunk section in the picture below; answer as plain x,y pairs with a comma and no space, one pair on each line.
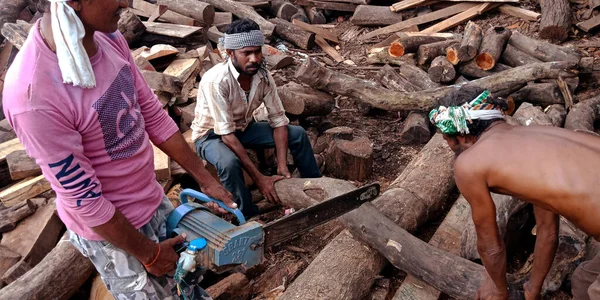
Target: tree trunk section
243,11
492,46
556,19
543,51
470,42
416,129
417,76
441,70
452,54
10,10
294,34
583,115
427,52
557,114
199,11
385,56
411,44
131,26
528,114
543,94
471,69
314,75
305,101
350,160
515,57
371,15
390,79
64,267
283,9
315,15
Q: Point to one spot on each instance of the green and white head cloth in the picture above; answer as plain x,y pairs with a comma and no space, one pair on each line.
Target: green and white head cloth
454,119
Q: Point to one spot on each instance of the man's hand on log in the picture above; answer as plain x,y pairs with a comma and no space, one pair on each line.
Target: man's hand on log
284,171
266,185
488,291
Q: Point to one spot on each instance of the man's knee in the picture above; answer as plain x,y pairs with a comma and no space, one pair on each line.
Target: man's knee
296,134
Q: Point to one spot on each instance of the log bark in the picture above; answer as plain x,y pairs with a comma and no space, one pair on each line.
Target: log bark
21,165
390,79
10,10
416,129
492,46
417,76
243,11
515,57
427,52
415,196
292,33
227,287
411,44
556,19
202,12
539,94
557,114
471,69
305,101
470,42
529,114
276,59
11,216
131,26
8,258
384,56
315,15
314,75
350,160
64,267
283,9
583,115
303,192
441,70
15,272
371,15
543,51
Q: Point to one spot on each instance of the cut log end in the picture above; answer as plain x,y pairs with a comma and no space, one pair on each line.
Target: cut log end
485,61
511,106
452,56
396,50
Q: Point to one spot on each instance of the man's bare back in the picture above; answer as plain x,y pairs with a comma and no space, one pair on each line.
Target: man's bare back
553,168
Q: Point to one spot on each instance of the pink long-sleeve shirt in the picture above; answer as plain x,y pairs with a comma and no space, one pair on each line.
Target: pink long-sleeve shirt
93,145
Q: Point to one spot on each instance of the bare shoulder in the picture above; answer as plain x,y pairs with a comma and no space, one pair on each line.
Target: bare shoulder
472,162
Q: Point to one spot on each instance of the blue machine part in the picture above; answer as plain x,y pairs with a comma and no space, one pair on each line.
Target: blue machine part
227,244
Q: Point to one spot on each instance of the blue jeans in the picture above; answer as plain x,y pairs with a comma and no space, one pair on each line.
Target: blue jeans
229,167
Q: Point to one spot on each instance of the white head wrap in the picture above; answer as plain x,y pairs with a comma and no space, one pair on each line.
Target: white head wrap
68,32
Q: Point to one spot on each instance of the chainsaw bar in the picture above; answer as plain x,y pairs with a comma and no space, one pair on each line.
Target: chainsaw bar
305,219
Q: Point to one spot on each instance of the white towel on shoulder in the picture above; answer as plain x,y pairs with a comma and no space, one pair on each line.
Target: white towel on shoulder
68,33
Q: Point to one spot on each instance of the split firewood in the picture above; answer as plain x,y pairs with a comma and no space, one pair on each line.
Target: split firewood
10,11
470,43
227,288
11,216
314,75
491,48
542,50
213,34
383,55
416,76
15,34
427,52
162,82
328,35
202,12
528,114
275,58
390,79
412,199
328,49
411,44
21,165
315,15
441,70
290,32
169,16
556,19
372,15
23,190
182,69
157,51
557,114
131,26
243,11
301,100
416,129
583,116
64,266
471,69
515,57
538,93
143,64
8,258
350,160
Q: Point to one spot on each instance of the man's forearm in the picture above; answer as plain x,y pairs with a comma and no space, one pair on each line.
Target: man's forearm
493,256
280,135
545,247
231,141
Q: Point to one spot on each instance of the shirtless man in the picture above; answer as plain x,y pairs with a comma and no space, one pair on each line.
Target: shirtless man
555,169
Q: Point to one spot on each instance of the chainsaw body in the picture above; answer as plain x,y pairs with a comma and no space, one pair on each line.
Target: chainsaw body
228,245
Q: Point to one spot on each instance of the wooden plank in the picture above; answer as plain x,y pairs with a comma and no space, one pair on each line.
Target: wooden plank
9,147
157,51
328,49
406,4
162,164
158,11
213,34
432,16
20,165
459,18
182,68
174,30
169,16
23,190
326,34
589,24
35,236
8,258
518,12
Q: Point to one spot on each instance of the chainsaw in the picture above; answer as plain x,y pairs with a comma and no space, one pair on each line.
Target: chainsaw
219,245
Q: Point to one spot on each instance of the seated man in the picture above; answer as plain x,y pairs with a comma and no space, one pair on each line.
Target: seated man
555,169
222,128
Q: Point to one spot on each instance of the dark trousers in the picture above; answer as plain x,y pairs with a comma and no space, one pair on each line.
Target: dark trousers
229,167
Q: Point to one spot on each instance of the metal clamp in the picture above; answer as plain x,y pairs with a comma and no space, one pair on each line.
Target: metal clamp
206,199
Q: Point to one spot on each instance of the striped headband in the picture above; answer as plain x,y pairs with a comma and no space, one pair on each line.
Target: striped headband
453,120
235,41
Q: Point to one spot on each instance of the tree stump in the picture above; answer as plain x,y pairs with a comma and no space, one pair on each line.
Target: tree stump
556,19
416,129
350,160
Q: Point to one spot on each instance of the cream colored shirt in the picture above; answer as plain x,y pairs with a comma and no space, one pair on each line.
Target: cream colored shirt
222,104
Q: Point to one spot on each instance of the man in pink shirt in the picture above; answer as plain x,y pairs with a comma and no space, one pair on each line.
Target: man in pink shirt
83,111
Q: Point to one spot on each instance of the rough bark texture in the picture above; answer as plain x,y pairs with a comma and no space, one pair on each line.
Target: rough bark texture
371,15
542,50
556,19
350,160
411,44
471,69
416,129
294,34
11,216
557,114
305,101
492,46
315,15
227,288
470,42
515,57
243,11
539,94
390,79
427,52
441,70
131,26
199,11
384,56
311,73
417,195
417,76
583,115
283,9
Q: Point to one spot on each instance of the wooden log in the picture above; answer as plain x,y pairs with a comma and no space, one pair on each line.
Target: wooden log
23,190
411,44
304,101
169,16
227,288
9,147
518,12
243,11
283,9
543,94
16,271
583,115
471,69
275,58
328,49
159,11
390,79
162,82
402,5
182,69
21,166
64,267
528,114
290,32
417,76
10,11
415,196
315,15
328,6
202,12
441,70
8,258
452,54
427,52
542,50
471,42
314,75
491,47
300,15
556,19
557,114
357,2
99,291
515,57
416,129
371,15
304,192
589,24
131,26
328,35
11,216
383,56
350,160
460,18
